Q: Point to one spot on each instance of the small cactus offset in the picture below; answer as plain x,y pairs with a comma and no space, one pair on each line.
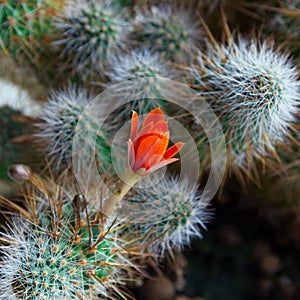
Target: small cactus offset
58,127
144,71
254,90
88,33
166,216
170,31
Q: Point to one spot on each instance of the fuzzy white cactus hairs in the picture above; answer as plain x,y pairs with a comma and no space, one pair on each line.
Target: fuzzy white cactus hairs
166,215
59,247
254,89
58,126
89,31
143,70
168,29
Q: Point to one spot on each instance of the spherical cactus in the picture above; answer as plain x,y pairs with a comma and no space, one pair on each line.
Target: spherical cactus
254,91
144,71
88,32
59,126
63,257
61,246
174,33
166,215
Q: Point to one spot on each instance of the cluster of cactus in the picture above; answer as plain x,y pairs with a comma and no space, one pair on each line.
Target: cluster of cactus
86,240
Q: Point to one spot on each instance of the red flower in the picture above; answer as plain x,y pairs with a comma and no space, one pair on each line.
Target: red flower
147,148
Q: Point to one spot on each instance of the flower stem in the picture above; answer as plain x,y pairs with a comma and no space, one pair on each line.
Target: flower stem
123,187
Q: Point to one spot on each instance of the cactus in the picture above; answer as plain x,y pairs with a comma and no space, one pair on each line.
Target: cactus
254,90
63,252
24,29
89,32
144,71
172,32
166,215
58,127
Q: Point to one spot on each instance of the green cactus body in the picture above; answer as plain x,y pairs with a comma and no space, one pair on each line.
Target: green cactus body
168,31
167,36
63,255
98,26
61,125
88,33
58,267
165,217
23,24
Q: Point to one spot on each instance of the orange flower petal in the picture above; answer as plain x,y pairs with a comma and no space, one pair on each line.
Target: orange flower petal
146,130
154,160
130,154
154,116
161,126
162,164
148,139
134,125
148,146
147,149
173,150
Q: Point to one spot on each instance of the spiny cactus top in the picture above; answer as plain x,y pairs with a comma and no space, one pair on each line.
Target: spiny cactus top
143,69
172,32
138,65
59,126
89,31
254,90
166,215
63,251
